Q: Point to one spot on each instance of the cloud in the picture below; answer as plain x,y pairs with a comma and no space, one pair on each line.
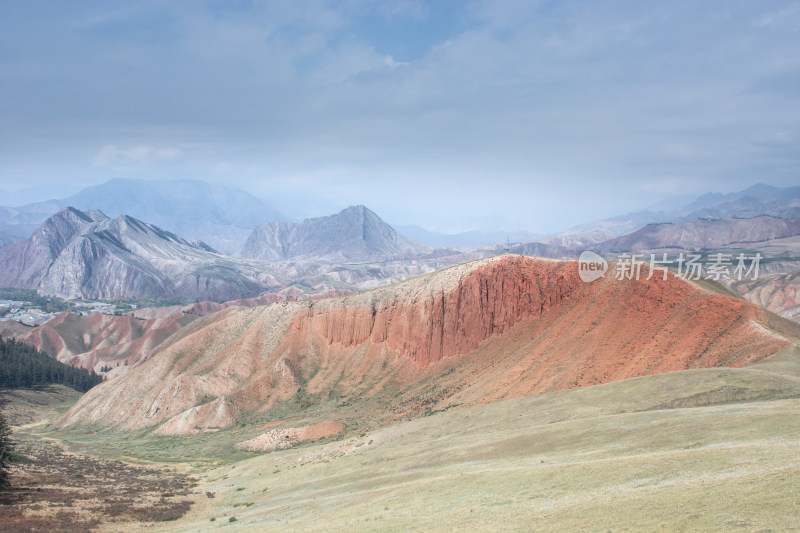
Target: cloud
774,139
515,94
112,156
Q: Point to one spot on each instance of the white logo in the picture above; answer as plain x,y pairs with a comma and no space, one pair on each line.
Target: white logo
591,266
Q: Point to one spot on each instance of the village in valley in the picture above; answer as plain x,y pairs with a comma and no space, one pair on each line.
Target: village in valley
32,309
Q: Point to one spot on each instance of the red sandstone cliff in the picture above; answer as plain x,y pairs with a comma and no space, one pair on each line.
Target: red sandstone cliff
482,331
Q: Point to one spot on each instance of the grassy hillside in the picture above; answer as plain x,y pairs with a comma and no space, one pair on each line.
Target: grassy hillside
701,450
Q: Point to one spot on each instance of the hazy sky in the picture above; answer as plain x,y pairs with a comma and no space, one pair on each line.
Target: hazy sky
454,115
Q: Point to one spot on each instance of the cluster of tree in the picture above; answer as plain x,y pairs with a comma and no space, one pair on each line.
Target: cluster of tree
24,366
124,304
49,304
5,450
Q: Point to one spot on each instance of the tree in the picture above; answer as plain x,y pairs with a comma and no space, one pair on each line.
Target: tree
5,450
23,366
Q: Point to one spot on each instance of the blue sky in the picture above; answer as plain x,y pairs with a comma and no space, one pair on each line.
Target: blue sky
453,115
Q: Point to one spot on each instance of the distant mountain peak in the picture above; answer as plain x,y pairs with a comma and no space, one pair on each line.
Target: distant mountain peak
353,234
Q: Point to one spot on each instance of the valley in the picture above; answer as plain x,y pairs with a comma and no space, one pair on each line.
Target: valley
488,394
338,375
706,449
417,265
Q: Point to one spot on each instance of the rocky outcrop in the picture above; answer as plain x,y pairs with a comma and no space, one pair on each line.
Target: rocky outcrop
354,234
447,322
287,437
483,331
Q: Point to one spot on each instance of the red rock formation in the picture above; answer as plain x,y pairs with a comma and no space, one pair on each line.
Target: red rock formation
478,332
445,323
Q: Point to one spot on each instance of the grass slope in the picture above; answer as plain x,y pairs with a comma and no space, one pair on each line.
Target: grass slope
701,450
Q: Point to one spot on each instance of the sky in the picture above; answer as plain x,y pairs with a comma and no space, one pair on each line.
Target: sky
535,115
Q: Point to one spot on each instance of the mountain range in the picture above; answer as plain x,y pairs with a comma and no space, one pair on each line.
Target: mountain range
517,352
77,254
703,234
224,217
221,216
86,254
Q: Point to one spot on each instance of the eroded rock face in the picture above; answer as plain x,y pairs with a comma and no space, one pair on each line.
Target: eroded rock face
24,264
449,322
488,330
98,340
779,293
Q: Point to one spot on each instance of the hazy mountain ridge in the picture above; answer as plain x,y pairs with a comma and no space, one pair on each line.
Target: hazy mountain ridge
225,217
355,234
704,234
465,239
752,202
6,239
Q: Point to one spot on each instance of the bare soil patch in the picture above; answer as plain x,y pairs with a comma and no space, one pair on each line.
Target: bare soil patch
287,437
58,491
